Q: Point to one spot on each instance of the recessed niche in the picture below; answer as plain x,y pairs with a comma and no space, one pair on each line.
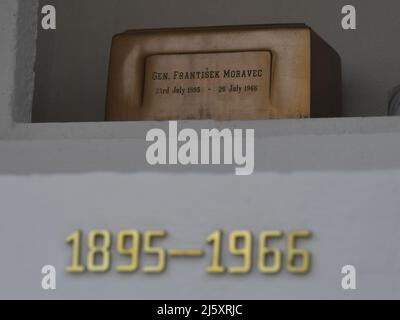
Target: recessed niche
71,63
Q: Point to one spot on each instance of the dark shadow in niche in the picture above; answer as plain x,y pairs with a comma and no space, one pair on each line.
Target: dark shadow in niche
44,63
72,62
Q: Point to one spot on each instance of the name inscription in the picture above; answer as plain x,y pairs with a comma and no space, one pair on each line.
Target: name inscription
208,74
207,85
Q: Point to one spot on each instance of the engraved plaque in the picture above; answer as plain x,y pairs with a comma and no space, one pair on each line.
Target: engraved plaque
223,73
207,85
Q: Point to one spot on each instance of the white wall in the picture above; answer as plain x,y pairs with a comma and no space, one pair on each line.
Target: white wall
338,177
8,14
342,187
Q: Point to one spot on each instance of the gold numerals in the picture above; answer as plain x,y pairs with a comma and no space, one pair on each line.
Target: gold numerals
270,259
128,245
241,245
